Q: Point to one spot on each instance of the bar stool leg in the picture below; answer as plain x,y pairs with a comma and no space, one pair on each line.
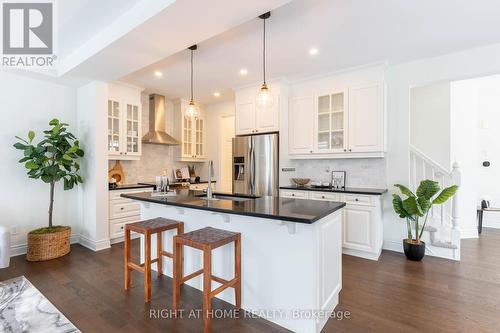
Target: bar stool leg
207,288
159,250
127,258
147,267
177,275
237,271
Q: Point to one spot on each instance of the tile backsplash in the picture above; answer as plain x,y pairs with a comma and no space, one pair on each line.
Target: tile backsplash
366,172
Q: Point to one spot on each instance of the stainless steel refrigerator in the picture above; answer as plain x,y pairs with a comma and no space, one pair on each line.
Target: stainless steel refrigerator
256,165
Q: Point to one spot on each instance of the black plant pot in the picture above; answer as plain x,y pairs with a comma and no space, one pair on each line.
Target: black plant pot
414,252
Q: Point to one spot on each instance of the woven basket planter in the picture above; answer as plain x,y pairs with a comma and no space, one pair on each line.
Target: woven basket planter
49,245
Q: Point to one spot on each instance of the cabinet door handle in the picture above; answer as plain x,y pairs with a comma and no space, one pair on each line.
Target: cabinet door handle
293,195
125,153
121,227
122,208
121,153
350,149
356,199
310,151
322,197
345,149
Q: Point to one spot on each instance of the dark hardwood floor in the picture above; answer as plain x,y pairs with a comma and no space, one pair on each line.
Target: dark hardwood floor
391,295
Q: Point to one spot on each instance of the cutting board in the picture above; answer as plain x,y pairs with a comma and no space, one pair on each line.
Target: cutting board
117,173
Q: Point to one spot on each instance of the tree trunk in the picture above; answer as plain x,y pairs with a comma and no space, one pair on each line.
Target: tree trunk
51,205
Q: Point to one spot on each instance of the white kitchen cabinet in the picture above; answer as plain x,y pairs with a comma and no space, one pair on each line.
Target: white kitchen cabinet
366,118
301,129
249,119
362,229
124,123
190,133
123,211
340,123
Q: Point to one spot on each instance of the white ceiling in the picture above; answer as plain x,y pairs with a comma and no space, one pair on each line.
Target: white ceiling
347,33
80,20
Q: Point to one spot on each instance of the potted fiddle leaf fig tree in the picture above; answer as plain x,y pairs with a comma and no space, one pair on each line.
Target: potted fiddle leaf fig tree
416,206
52,159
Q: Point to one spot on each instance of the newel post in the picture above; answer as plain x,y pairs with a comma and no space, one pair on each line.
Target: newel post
455,179
455,218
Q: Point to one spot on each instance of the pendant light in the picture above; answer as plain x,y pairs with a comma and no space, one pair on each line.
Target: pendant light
264,99
192,111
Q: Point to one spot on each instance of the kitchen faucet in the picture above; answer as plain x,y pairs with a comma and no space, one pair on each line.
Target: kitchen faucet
209,189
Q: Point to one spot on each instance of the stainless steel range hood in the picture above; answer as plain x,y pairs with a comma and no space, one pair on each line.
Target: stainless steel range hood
157,116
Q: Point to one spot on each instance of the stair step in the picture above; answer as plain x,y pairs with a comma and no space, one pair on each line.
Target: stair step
447,245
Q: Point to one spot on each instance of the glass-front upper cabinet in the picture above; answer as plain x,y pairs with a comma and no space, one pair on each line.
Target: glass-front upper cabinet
124,130
331,122
199,130
187,139
133,129
114,127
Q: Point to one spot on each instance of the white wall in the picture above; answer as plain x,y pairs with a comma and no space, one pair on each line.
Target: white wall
430,129
214,112
401,78
29,104
92,102
482,119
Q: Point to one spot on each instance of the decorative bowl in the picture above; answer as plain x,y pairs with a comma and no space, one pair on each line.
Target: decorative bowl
300,181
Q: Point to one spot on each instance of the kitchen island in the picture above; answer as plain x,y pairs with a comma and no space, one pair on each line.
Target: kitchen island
291,251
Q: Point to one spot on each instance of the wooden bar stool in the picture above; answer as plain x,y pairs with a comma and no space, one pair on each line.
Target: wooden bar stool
147,228
207,239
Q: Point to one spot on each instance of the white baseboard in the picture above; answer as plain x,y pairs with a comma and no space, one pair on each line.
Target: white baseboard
95,245
122,238
20,249
362,254
393,246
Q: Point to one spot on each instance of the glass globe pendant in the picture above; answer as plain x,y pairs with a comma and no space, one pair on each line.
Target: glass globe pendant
264,99
192,111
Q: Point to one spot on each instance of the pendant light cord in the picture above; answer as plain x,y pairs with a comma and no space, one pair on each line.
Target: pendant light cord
192,75
264,52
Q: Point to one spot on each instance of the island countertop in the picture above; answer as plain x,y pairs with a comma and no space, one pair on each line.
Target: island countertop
285,209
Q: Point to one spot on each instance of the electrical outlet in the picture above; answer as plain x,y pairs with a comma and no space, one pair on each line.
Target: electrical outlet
13,230
288,169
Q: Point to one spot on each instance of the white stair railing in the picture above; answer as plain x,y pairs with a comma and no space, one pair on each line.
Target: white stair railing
444,221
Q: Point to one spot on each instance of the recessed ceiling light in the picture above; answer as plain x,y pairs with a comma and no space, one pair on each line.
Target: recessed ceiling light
158,74
216,94
243,71
313,51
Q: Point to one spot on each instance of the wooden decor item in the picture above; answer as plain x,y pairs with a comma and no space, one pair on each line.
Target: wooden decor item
117,173
48,245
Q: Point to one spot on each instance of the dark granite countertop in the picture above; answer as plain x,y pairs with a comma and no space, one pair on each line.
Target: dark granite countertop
285,209
131,187
353,190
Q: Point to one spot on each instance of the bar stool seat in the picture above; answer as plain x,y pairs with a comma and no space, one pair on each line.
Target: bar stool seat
207,239
147,228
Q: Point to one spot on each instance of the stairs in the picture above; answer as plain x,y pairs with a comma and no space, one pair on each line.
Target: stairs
442,233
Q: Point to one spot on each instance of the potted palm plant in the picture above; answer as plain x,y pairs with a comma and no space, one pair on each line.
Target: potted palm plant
415,207
52,159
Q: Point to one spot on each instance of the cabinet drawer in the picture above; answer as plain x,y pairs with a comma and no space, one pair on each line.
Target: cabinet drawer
324,196
294,194
122,210
198,187
358,199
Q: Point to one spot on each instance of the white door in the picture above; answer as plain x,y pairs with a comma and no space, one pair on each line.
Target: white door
357,233
267,120
245,118
301,125
114,128
226,135
366,118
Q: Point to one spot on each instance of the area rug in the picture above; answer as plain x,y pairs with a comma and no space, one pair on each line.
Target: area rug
24,309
